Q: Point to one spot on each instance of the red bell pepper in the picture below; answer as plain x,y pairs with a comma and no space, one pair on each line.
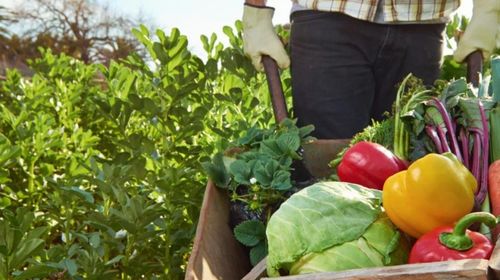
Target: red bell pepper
454,243
369,164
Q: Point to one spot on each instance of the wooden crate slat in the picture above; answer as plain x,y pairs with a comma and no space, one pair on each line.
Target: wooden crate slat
463,269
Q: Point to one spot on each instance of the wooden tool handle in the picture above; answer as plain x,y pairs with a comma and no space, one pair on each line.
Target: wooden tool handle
474,67
275,88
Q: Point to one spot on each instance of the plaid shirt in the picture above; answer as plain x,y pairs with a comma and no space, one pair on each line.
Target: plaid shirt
393,10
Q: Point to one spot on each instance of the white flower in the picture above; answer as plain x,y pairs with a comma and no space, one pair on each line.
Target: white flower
253,180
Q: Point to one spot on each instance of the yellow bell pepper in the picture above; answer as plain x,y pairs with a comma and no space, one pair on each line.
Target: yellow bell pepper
435,190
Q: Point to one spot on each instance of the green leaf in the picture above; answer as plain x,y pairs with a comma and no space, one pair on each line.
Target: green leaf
253,134
320,216
471,112
264,170
144,30
37,232
70,266
179,48
216,171
229,33
204,42
142,36
5,202
250,232
87,196
281,180
124,220
24,251
160,53
3,250
35,271
306,131
270,147
433,116
241,171
95,240
73,249
114,260
258,253
288,142
136,101
8,153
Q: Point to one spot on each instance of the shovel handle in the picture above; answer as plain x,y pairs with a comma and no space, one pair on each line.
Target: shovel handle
275,88
474,67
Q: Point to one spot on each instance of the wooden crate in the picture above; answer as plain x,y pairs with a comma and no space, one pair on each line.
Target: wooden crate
217,255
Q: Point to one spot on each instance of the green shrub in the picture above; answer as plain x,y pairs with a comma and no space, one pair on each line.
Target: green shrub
101,166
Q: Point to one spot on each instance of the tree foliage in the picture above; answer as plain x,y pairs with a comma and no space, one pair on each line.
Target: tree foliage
83,29
3,19
4,33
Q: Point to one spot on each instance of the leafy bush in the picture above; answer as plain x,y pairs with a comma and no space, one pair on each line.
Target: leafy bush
101,166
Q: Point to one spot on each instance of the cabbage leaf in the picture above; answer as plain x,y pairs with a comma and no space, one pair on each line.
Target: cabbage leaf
331,226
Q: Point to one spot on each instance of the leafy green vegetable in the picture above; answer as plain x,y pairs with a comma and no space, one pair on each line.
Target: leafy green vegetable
455,120
410,94
332,226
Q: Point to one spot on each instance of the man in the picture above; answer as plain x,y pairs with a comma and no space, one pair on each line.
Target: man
347,56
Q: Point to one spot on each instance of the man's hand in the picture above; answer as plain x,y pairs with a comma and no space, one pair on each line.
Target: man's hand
481,33
260,38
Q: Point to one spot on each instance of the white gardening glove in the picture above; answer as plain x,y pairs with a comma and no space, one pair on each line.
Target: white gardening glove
482,30
260,38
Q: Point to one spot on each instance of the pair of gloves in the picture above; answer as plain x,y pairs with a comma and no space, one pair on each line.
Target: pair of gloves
260,38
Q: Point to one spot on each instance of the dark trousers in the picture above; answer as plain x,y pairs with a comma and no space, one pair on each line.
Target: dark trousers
345,71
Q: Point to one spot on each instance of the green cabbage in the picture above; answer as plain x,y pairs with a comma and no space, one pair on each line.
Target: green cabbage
332,226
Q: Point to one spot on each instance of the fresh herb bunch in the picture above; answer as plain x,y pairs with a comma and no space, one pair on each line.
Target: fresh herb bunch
257,173
380,132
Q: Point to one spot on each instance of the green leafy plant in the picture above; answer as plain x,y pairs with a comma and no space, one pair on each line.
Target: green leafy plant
257,173
107,159
252,233
260,163
332,226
